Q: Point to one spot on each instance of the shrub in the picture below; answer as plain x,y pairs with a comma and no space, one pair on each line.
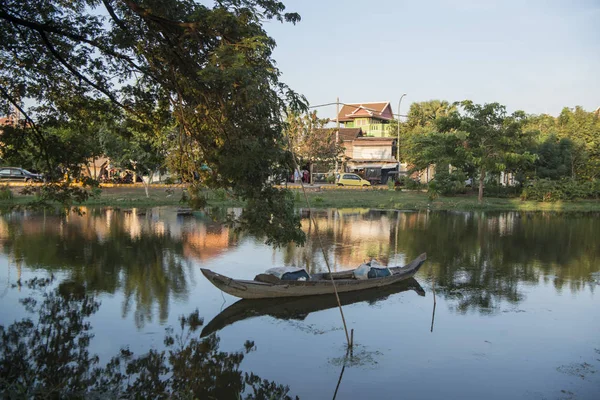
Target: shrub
411,184
220,194
390,184
493,189
96,192
549,191
447,184
331,178
5,193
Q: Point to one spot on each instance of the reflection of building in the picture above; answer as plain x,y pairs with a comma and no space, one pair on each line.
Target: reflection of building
353,236
203,244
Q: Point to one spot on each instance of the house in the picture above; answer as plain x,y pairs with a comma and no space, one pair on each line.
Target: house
373,118
345,136
371,157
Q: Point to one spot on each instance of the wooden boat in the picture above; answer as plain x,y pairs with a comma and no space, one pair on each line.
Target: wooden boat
298,308
269,286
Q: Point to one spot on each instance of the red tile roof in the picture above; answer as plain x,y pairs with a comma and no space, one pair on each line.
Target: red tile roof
374,141
349,133
380,110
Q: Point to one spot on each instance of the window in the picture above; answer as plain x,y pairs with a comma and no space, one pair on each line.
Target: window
17,172
5,172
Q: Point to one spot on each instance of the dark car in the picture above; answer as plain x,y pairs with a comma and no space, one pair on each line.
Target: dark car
19,175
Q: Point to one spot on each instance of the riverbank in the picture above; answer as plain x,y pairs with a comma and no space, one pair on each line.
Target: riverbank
324,196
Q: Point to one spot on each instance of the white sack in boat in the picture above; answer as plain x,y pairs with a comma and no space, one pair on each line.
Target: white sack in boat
362,272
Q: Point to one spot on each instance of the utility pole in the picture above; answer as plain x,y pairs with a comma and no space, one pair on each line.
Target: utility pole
398,141
337,131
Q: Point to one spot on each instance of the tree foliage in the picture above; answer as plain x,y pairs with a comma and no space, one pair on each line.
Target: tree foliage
494,141
212,68
310,140
424,114
568,142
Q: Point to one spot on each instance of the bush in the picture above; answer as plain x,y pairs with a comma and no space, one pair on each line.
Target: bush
5,193
390,184
502,191
549,191
331,178
411,184
447,184
220,194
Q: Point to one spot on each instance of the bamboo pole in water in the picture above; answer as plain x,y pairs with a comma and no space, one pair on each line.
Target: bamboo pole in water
434,303
312,218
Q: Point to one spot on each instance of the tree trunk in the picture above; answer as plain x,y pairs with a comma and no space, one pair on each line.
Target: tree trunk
146,184
310,173
89,171
481,178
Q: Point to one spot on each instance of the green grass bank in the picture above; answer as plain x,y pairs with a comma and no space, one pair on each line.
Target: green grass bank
321,197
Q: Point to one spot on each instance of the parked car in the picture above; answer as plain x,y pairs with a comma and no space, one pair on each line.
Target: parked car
352,180
12,174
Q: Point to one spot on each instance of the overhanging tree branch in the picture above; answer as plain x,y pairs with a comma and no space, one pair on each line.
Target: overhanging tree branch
57,55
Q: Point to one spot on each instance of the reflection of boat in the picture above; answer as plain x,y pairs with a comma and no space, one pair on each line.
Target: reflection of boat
317,284
299,307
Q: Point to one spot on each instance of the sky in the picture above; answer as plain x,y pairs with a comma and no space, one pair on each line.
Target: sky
532,55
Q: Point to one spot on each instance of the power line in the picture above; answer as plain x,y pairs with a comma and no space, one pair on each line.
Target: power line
354,105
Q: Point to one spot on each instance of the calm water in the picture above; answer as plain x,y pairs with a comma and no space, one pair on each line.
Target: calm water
516,316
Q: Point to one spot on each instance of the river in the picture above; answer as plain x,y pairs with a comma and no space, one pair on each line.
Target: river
516,308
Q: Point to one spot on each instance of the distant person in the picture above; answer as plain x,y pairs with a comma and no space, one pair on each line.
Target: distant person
296,176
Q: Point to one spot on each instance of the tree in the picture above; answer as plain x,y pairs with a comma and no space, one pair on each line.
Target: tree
134,145
493,139
310,140
583,128
420,120
557,158
423,114
212,66
578,127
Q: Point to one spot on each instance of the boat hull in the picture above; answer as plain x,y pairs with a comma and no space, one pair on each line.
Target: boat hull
247,289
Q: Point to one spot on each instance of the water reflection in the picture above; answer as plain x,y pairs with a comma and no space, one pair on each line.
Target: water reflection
478,260
299,307
47,356
143,256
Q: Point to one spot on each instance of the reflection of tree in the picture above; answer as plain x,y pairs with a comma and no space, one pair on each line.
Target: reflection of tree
49,358
481,259
478,259
147,266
